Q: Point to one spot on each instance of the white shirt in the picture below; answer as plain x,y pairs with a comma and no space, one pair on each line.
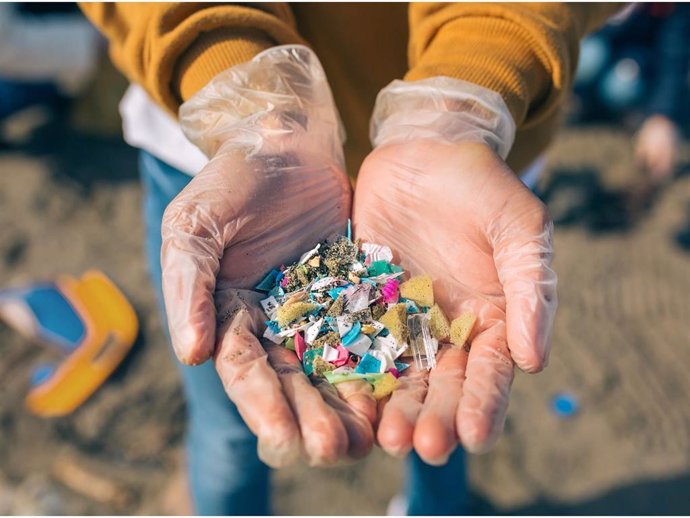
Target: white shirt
147,126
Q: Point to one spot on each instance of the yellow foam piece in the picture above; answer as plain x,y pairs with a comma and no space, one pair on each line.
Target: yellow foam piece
438,324
288,313
111,329
395,320
385,385
419,290
461,328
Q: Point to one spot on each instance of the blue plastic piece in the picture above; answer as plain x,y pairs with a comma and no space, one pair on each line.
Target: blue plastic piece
351,334
368,365
401,366
410,306
564,405
41,373
273,325
334,292
268,282
55,316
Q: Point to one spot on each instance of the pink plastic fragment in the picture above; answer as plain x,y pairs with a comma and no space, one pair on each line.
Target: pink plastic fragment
394,372
284,282
300,345
343,356
390,291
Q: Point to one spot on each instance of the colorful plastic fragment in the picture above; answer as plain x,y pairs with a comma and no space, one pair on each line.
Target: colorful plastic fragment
390,291
385,385
345,312
419,290
300,346
286,314
395,320
461,328
438,322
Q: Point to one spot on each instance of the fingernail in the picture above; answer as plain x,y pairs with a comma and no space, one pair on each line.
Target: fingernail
438,461
278,455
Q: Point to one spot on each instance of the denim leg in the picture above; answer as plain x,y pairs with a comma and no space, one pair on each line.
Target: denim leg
225,474
438,491
17,95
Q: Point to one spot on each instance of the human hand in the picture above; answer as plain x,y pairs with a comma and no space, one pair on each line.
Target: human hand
275,186
455,211
657,147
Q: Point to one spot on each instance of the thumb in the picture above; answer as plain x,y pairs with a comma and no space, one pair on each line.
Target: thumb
523,251
193,244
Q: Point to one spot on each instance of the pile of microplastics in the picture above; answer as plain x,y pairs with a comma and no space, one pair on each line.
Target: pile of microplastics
344,311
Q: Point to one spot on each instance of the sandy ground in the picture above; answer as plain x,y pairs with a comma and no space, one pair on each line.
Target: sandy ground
70,200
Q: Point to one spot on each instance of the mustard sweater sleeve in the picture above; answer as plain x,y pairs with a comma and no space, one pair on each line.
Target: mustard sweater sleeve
174,49
525,52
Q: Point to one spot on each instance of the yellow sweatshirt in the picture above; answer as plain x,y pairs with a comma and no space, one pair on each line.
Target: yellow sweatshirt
525,52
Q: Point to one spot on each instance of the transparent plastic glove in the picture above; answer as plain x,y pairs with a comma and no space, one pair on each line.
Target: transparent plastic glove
451,208
657,147
274,187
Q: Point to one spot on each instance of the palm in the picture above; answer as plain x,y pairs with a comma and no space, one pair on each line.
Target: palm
243,216
445,210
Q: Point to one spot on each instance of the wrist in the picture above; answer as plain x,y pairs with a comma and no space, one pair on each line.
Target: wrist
280,98
442,109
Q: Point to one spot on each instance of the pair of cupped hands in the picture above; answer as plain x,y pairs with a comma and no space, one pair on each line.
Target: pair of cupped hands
275,186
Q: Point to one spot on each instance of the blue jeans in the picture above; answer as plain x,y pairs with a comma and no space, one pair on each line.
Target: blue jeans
225,474
17,95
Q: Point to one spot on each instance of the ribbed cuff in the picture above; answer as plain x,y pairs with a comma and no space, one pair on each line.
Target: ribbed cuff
214,52
497,54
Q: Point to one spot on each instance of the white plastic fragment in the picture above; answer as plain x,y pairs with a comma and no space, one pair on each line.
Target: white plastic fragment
308,255
270,306
313,331
359,345
273,337
384,357
286,333
358,299
390,344
323,283
330,354
344,325
377,252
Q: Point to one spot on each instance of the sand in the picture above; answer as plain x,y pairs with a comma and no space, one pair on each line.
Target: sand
70,200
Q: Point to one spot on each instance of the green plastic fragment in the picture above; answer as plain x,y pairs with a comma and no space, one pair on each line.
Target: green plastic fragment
308,359
290,343
341,377
379,268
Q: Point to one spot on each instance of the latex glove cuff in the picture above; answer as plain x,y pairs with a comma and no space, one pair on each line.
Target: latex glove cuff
442,108
280,95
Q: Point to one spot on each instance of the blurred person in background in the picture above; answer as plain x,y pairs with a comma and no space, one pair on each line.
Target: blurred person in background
243,167
33,68
636,69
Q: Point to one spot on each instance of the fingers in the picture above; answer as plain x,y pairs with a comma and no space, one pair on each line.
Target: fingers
523,252
399,415
325,438
252,384
435,436
488,377
190,256
355,404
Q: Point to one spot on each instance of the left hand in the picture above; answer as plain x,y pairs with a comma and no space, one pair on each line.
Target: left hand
455,211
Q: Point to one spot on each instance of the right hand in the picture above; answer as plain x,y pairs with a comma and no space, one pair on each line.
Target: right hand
274,187
657,147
